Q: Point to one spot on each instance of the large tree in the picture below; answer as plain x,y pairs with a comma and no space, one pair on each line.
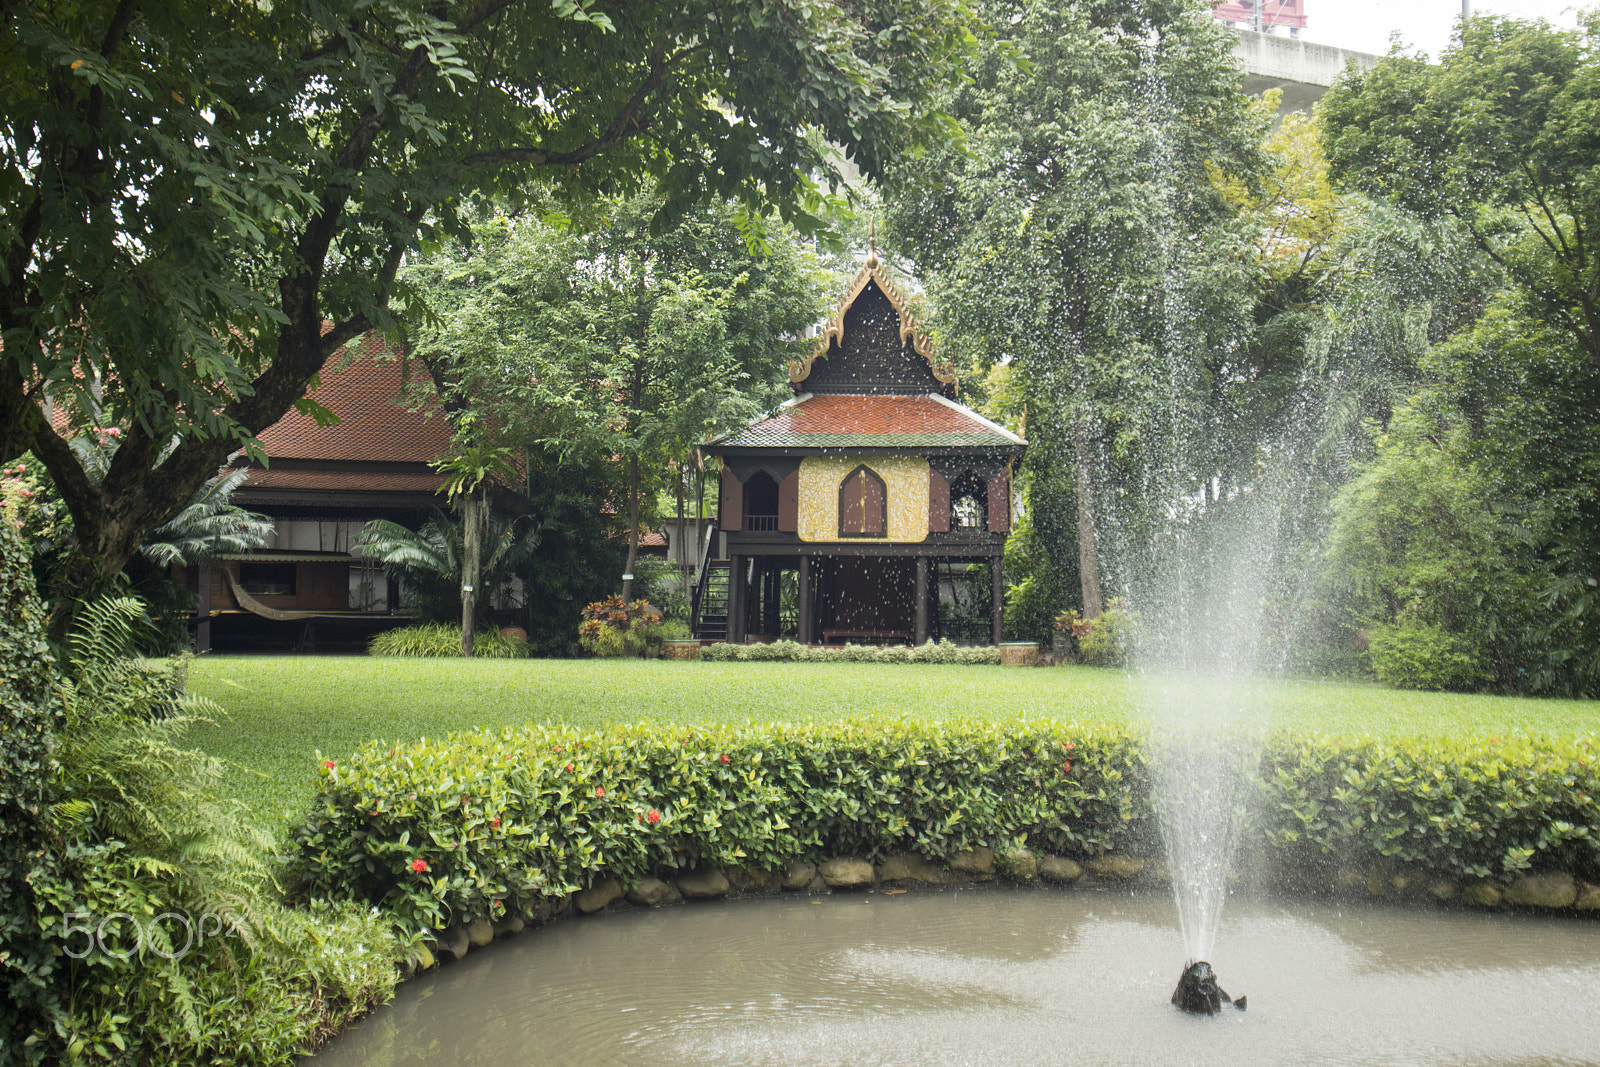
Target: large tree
1056,243
201,203
615,340
1500,135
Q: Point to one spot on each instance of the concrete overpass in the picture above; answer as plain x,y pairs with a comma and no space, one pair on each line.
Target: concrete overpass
1301,69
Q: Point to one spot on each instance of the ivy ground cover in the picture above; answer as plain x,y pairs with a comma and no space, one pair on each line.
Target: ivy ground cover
282,710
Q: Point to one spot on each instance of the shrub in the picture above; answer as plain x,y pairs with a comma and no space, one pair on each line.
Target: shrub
612,628
1415,655
486,823
442,639
1482,808
138,855
676,630
794,651
1110,636
30,716
439,832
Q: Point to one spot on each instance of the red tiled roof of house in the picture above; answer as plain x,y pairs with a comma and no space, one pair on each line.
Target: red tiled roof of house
861,421
346,481
372,425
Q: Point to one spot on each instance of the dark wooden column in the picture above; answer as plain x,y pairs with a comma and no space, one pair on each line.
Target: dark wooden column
770,607
202,629
803,612
922,601
997,600
736,599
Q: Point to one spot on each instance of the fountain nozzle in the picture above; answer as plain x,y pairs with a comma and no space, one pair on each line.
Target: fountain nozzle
1198,992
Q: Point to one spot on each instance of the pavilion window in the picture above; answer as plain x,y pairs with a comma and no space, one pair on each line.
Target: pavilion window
267,579
863,500
761,503
968,503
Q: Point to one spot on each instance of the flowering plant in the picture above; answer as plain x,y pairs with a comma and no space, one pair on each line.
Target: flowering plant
1070,622
611,627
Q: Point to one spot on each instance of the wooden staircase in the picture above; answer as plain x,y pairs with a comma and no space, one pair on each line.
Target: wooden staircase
711,615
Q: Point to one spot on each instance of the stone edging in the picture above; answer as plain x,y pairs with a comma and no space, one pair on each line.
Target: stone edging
1556,891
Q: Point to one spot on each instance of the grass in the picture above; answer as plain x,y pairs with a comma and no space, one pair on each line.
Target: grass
283,710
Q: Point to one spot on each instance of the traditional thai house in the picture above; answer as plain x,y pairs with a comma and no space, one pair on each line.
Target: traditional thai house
310,586
866,483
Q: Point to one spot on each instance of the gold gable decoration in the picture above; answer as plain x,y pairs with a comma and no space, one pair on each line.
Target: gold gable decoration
872,271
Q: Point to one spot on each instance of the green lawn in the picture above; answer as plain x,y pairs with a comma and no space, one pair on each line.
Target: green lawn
282,709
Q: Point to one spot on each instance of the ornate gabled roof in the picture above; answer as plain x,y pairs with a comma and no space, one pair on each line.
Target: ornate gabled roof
862,422
831,343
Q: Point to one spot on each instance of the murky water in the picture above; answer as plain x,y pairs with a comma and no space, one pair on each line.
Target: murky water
996,976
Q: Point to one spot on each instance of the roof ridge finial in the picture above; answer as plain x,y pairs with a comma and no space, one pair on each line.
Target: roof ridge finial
872,243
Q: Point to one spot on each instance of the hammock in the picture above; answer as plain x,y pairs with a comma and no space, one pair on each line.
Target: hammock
255,607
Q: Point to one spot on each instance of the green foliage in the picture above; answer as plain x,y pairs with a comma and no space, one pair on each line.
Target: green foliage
1415,655
582,546
616,338
442,639
485,823
1499,134
661,583
793,651
203,963
440,832
1485,808
217,198
30,718
1478,513
1047,243
1111,637
429,560
612,628
676,630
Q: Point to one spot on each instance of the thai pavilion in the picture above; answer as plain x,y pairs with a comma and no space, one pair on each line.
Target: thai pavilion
869,482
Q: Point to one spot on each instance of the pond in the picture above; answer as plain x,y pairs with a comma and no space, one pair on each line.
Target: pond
1001,976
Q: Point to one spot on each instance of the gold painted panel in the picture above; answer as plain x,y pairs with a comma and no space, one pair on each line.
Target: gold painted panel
905,478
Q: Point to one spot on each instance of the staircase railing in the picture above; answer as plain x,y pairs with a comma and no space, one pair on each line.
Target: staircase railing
705,574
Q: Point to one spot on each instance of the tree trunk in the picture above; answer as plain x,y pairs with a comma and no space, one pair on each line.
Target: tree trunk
1088,540
683,512
633,527
471,551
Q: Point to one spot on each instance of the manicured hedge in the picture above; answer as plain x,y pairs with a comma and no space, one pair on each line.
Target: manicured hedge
485,823
929,652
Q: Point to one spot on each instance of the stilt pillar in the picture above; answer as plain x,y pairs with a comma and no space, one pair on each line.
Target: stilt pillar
736,599
803,612
202,629
771,624
997,600
921,596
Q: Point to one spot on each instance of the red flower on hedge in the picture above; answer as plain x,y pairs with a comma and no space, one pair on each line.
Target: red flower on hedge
495,822
724,758
652,816
328,764
599,790
419,865
1067,766
569,766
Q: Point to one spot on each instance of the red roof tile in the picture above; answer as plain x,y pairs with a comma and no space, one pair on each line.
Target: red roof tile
855,420
360,481
372,425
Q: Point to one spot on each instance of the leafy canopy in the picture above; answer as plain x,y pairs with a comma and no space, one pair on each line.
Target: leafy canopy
200,204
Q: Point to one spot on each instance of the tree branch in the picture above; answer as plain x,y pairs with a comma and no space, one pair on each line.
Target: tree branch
618,128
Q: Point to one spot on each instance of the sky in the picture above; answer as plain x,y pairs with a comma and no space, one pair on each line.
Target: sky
1365,25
